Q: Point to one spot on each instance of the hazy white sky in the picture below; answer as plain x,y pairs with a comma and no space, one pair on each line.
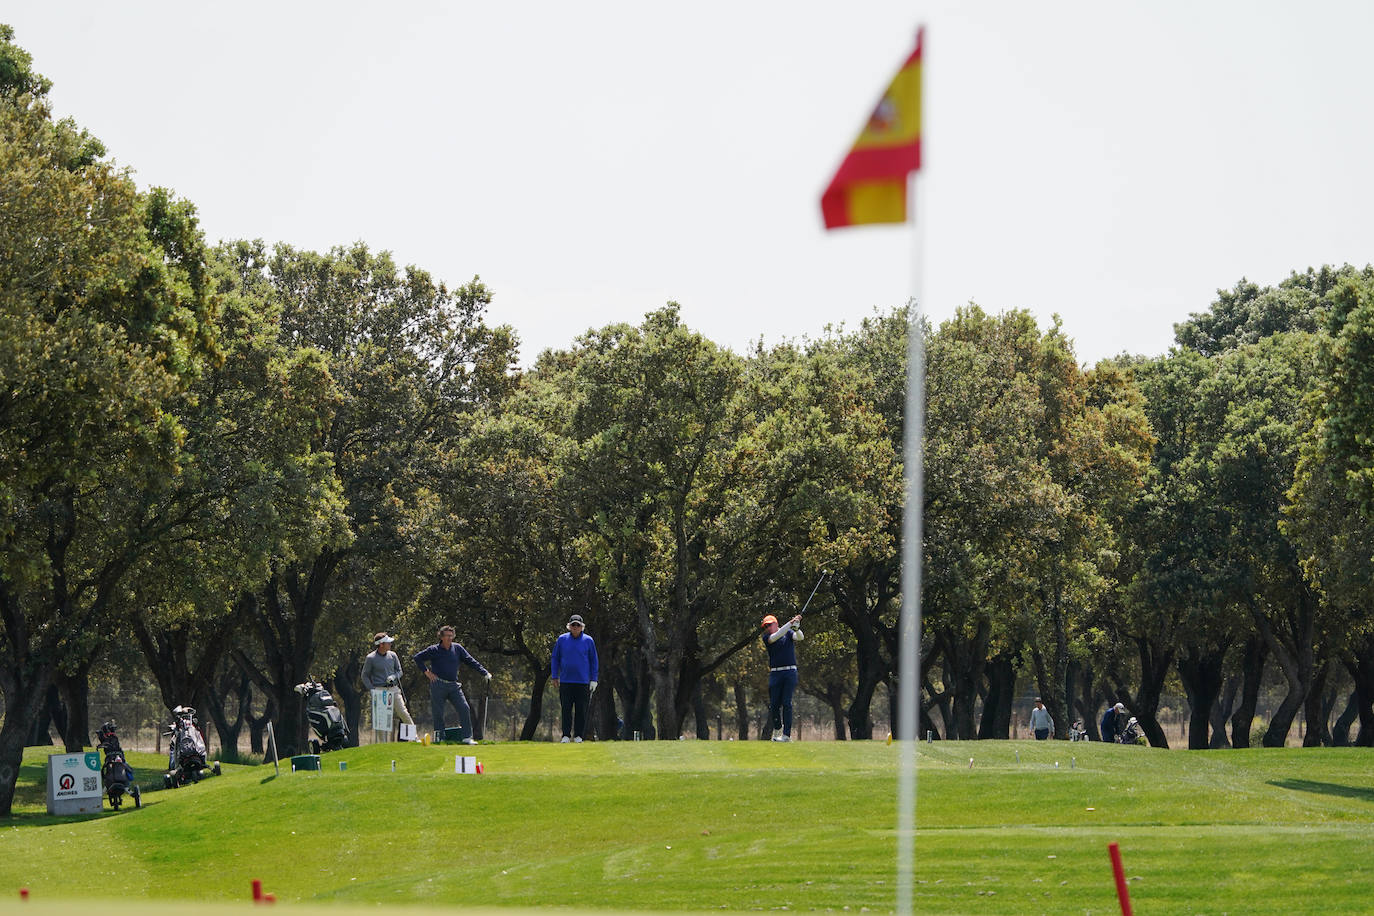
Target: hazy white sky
1112,162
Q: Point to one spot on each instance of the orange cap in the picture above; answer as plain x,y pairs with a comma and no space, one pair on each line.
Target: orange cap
767,620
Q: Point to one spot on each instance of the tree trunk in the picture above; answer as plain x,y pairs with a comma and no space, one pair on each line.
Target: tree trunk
183,660
1057,700
640,713
22,702
1001,678
75,690
700,715
346,679
1221,713
285,614
834,697
1252,673
665,703
924,723
1317,711
941,701
1360,664
1340,732
257,728
24,682
1088,701
232,682
603,714
871,673
1276,735
1155,662
851,600
1201,672
965,660
50,712
531,726
926,726
1290,637
741,710
1049,683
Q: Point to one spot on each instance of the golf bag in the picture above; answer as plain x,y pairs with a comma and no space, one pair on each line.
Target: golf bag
1077,732
116,773
185,749
331,732
1132,733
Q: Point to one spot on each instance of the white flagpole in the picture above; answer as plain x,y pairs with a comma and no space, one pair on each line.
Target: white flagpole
909,668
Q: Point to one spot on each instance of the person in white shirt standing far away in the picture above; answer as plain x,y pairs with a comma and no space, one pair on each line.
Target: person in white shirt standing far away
382,668
1041,723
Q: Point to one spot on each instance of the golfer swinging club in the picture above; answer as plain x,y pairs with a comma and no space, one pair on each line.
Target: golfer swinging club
780,641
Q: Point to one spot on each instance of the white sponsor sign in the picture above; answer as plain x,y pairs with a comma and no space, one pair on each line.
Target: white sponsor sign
74,784
381,708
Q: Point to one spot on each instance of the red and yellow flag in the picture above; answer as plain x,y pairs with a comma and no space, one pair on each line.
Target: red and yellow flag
870,185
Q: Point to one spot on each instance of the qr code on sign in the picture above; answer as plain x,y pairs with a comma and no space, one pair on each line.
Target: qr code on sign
88,784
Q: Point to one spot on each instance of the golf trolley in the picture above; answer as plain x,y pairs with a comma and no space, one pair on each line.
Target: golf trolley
331,732
1133,733
116,772
186,753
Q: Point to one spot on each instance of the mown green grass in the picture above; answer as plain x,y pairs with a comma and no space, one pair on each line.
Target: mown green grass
755,825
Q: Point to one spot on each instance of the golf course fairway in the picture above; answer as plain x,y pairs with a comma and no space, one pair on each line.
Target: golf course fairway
1002,827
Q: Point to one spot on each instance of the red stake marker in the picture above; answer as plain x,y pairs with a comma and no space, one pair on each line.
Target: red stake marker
270,898
257,890
23,893
1121,893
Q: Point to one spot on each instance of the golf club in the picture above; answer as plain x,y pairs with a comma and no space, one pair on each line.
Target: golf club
824,573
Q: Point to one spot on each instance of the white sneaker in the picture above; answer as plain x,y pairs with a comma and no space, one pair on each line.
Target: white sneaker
467,741
577,741
565,740
782,738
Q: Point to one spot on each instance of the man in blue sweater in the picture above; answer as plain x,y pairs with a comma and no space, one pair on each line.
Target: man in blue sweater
781,643
574,668
440,663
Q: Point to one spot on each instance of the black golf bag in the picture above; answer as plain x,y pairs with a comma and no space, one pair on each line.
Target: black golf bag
331,732
116,773
185,749
1132,733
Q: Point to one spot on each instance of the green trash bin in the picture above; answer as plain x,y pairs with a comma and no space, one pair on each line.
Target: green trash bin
305,762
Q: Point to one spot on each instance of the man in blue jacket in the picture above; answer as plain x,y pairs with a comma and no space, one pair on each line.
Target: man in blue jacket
440,663
1114,722
781,643
574,668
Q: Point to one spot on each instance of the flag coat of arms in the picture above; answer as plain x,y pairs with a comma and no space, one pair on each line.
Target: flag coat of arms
870,185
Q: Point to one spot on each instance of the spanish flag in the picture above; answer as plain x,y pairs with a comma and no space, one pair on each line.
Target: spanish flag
870,185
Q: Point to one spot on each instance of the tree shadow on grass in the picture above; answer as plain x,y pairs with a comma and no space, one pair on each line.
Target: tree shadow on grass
1325,788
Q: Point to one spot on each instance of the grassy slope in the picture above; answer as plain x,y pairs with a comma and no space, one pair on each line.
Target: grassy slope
696,825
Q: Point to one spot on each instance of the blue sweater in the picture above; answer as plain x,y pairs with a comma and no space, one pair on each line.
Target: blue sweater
783,652
444,663
574,660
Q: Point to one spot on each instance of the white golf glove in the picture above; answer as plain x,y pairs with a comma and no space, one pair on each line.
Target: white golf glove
391,680
488,677
593,686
